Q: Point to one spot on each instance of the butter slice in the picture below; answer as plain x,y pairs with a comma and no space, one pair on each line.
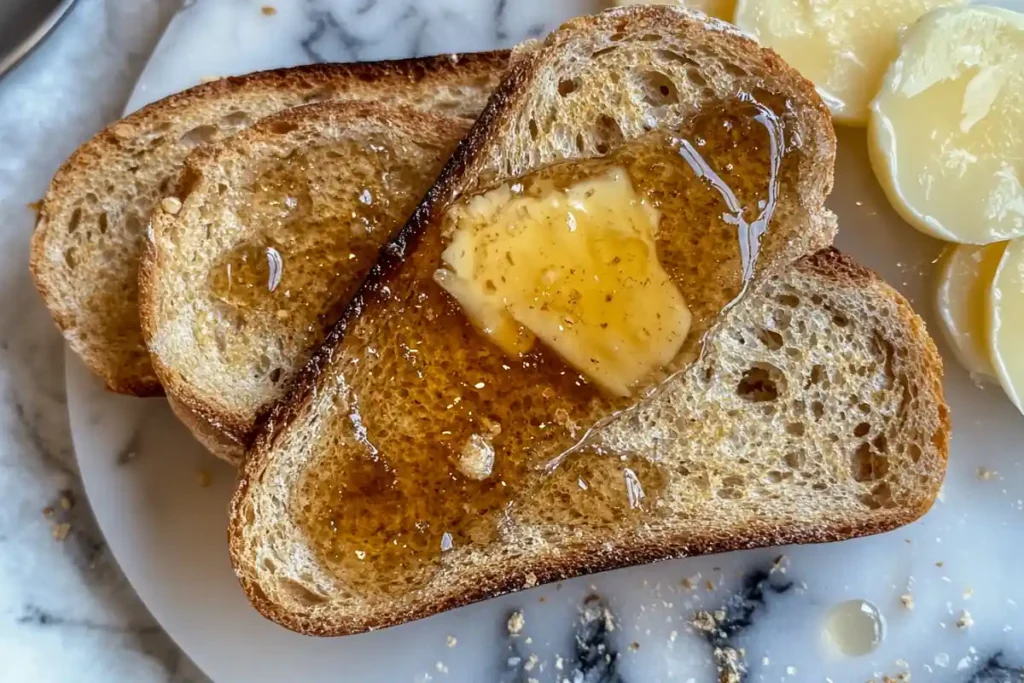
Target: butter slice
1006,318
965,278
575,268
842,46
946,136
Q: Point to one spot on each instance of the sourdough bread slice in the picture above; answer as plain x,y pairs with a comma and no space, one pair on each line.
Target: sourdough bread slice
355,509
815,415
90,232
260,246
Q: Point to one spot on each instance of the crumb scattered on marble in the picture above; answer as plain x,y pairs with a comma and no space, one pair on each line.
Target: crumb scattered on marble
709,584
48,512
516,623
441,668
765,661
61,531
965,621
779,564
939,563
531,662
634,646
791,670
204,478
268,10
452,641
968,593
986,474
687,583
35,207
67,500
907,600
529,640
559,662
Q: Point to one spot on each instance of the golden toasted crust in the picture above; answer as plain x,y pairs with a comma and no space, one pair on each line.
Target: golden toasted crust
108,186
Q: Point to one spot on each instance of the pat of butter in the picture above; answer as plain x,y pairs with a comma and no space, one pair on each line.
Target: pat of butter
965,278
721,9
1006,320
842,46
576,268
946,136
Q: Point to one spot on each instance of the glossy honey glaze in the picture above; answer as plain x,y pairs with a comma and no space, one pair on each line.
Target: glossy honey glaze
315,221
445,440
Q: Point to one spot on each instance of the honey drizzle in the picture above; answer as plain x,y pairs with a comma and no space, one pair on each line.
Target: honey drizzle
402,501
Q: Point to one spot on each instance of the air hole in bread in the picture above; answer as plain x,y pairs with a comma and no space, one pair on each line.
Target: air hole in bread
222,188
283,127
770,338
762,382
670,56
867,465
795,428
840,320
791,300
735,70
567,86
603,51
616,37
862,429
320,95
651,37
103,223
817,375
817,410
275,375
70,257
200,135
186,183
880,443
269,564
534,131
696,78
659,90
236,118
914,452
608,134
301,594
795,460
579,143
74,221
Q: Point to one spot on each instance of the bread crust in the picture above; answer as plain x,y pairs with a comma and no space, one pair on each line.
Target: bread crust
109,349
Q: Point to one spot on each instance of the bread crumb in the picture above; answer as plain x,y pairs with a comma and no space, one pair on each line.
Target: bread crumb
48,512
171,205
61,531
441,668
765,661
559,662
965,621
529,640
703,621
968,593
204,478
939,563
452,641
531,580
687,583
67,500
531,663
791,670
516,623
268,10
709,584
35,207
986,474
908,600
634,646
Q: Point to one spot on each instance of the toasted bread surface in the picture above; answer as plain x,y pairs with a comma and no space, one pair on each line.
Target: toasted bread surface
91,227
272,231
816,415
361,448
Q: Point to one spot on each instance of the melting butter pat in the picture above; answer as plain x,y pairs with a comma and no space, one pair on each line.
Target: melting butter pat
1006,321
842,46
946,135
574,268
965,278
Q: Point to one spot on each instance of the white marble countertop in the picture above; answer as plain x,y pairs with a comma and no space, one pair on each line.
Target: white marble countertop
66,611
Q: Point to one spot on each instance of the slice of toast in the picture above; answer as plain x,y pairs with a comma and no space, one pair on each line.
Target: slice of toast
354,510
260,247
91,226
816,415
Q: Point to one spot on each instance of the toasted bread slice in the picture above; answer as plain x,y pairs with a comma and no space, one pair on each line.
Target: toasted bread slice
816,415
91,226
354,511
271,233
